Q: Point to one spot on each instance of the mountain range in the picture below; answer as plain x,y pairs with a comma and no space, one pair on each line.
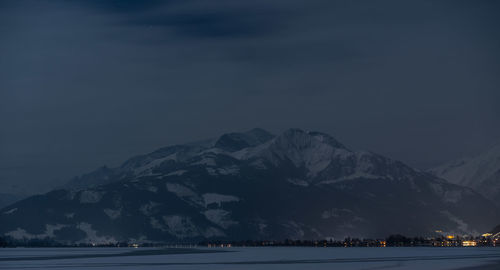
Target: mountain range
250,185
480,172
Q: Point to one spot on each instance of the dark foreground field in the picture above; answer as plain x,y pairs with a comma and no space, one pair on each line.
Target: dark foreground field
251,258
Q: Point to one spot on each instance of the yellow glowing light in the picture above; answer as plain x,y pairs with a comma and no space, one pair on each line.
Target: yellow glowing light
469,243
450,236
487,234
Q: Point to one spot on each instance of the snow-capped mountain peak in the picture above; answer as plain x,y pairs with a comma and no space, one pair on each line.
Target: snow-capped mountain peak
481,172
312,150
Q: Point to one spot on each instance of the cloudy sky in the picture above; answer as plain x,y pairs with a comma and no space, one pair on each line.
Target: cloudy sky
88,83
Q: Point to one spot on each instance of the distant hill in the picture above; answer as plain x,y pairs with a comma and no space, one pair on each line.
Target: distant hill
482,173
251,185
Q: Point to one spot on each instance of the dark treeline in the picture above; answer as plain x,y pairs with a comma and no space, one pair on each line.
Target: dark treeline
396,240
391,241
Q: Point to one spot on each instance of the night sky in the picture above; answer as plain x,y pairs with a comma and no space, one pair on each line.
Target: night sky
89,83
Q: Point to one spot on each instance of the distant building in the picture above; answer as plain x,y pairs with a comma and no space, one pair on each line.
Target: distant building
469,243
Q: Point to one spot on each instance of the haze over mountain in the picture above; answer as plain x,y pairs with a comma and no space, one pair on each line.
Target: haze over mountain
481,172
251,185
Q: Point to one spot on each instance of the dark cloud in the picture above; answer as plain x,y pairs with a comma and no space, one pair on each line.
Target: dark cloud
209,25
124,6
87,83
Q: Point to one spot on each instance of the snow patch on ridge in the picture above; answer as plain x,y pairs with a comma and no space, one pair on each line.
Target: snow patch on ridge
298,182
113,214
220,217
250,152
231,170
91,196
210,198
205,161
180,190
147,168
351,177
92,236
147,209
50,229
461,225
177,173
184,193
8,212
152,189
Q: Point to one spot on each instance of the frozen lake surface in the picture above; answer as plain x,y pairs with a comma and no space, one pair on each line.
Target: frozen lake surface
250,258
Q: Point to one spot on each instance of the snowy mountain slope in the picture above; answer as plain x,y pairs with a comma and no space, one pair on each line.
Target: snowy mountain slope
481,173
251,185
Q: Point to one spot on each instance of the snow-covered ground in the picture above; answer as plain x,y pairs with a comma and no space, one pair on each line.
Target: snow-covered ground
249,258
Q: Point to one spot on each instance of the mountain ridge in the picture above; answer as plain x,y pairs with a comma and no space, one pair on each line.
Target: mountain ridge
251,185
480,172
